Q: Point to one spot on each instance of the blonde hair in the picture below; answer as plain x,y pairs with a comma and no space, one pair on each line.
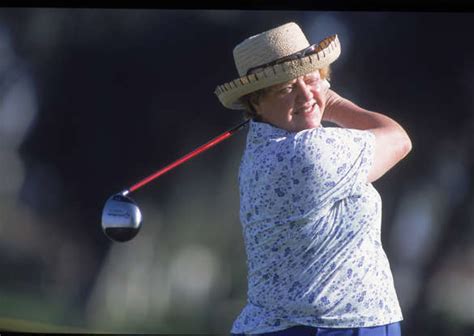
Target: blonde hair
253,98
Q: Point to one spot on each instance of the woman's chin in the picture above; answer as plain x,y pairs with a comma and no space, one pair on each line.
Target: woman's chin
311,121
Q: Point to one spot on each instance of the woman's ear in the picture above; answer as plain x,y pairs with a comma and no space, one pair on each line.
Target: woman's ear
254,101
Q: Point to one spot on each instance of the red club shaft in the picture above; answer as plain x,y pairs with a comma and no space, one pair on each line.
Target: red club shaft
186,157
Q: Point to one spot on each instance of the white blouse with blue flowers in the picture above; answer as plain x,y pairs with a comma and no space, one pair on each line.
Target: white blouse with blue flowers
311,226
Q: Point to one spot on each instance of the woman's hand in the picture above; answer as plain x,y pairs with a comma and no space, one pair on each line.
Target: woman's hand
332,101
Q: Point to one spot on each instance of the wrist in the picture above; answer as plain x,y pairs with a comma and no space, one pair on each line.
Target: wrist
327,114
332,99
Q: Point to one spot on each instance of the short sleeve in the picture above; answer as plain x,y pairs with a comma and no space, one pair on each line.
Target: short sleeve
331,164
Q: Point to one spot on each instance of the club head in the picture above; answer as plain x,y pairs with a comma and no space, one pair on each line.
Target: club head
121,218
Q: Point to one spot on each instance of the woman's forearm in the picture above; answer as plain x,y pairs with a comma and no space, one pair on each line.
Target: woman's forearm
346,114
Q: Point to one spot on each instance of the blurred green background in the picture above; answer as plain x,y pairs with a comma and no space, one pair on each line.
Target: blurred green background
92,100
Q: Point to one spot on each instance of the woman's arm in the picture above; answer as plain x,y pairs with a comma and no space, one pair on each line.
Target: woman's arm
392,143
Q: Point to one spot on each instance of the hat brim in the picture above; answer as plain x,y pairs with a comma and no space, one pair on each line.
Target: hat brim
328,50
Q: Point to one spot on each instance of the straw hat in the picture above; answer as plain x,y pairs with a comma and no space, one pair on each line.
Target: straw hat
272,57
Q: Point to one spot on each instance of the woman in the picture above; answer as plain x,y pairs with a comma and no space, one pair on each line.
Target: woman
311,217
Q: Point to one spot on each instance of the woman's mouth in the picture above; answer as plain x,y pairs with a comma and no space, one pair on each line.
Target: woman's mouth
307,110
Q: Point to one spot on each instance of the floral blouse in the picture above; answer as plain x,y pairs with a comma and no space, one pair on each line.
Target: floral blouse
312,231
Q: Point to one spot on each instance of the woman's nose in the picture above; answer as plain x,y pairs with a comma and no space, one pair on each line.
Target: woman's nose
305,92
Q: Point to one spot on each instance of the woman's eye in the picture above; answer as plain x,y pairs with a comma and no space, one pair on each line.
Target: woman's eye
287,89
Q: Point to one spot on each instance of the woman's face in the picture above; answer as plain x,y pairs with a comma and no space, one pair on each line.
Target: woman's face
295,105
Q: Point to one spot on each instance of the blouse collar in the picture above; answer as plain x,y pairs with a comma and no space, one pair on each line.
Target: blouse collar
266,131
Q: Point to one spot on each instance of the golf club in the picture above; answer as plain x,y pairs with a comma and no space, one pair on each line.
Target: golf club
121,216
